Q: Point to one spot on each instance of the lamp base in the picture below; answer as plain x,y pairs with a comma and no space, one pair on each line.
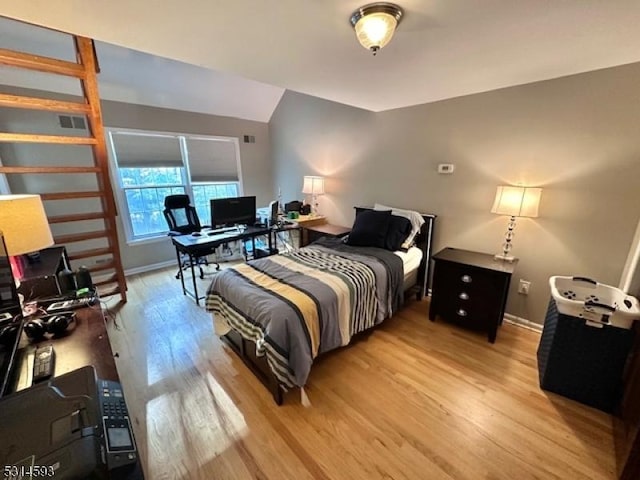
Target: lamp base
504,258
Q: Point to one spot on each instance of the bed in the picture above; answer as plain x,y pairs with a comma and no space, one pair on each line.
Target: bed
281,312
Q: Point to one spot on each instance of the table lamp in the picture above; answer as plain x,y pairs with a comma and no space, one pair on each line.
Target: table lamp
515,202
313,186
25,227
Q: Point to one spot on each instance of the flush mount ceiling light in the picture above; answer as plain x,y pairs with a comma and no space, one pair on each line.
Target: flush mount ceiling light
375,24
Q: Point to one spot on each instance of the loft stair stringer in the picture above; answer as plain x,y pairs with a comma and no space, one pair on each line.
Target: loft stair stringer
107,262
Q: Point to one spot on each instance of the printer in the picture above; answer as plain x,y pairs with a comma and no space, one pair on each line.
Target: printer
56,427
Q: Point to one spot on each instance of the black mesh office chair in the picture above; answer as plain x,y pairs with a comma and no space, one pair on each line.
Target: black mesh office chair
182,219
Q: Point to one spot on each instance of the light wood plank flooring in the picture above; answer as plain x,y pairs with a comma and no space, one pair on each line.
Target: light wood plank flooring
412,400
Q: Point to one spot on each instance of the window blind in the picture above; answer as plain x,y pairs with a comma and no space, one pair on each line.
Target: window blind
134,150
212,160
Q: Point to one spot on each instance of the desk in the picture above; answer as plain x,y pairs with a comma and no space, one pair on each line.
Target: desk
86,343
206,244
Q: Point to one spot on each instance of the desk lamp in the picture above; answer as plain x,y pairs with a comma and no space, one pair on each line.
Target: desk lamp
515,202
313,186
25,227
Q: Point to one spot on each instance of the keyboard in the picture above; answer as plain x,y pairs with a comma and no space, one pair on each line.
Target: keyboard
70,304
221,230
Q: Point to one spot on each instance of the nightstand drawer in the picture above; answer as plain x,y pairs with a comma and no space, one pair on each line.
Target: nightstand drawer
459,279
472,315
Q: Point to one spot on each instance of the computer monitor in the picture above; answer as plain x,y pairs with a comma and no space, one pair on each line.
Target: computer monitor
233,211
273,213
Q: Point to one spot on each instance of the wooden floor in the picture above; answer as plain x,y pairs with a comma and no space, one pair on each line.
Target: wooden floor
413,400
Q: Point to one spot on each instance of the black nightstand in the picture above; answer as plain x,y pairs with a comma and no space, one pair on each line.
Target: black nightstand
470,289
312,233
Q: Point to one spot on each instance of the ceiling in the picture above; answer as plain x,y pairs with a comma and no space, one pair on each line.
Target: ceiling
442,49
134,77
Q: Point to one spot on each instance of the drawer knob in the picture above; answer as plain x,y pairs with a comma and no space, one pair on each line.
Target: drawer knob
464,296
466,278
461,312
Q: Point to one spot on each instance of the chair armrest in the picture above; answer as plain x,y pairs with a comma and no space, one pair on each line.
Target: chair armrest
173,233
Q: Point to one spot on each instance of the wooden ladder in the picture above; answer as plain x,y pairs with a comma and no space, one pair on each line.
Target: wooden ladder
108,275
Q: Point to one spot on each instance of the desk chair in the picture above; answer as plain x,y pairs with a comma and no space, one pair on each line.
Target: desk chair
182,219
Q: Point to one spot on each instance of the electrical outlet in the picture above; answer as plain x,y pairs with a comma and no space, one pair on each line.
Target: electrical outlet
523,287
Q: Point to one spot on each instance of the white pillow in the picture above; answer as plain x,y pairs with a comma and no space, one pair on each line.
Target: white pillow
414,217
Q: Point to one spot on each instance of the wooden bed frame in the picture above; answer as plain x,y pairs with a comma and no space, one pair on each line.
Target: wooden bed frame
246,349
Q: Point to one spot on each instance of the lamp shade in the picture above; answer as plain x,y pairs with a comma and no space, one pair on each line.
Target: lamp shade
23,222
517,201
313,185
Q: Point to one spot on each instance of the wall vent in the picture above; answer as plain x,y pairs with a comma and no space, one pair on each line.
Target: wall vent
67,121
249,139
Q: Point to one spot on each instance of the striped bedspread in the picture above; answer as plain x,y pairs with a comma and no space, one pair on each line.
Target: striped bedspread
300,304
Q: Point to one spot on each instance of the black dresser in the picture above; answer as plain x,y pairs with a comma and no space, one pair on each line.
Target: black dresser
470,289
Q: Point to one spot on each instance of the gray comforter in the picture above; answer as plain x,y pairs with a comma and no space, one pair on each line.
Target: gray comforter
300,304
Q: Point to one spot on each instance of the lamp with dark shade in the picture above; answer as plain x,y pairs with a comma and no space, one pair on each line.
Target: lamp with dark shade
515,202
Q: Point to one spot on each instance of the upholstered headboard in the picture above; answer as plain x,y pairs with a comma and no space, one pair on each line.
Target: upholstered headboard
424,241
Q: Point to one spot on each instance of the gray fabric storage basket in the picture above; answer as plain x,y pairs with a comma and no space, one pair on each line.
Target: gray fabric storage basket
582,362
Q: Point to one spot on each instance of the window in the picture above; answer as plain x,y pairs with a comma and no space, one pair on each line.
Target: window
151,166
203,192
144,191
213,169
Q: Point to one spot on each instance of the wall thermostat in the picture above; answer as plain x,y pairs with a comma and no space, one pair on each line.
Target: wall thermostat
446,168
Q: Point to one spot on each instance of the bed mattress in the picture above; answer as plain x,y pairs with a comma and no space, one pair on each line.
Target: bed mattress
410,262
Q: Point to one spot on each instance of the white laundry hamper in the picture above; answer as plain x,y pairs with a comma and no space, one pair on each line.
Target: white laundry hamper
586,340
597,303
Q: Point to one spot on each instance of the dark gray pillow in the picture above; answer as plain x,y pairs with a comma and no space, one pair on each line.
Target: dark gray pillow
398,231
370,229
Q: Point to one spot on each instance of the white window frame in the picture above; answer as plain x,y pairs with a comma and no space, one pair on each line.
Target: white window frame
120,189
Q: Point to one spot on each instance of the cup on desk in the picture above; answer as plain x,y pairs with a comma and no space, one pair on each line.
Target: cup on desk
293,215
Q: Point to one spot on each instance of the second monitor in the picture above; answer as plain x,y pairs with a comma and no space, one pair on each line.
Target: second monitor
226,212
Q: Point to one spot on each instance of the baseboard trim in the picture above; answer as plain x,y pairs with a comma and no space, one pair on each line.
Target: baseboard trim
149,268
522,322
